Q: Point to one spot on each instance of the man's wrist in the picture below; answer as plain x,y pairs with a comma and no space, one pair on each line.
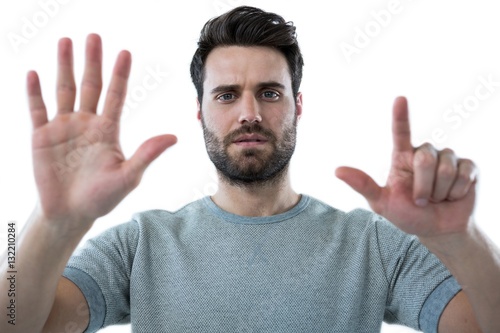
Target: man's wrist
63,228
453,244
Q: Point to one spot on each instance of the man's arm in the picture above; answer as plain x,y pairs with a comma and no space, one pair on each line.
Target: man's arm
42,252
458,316
431,194
69,311
81,174
474,261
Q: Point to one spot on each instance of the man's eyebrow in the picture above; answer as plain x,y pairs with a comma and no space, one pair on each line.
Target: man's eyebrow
233,87
271,84
224,87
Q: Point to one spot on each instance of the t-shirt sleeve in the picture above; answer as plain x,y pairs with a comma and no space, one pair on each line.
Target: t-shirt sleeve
420,286
101,268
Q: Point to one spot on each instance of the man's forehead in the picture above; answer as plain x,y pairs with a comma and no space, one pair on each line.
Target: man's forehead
239,65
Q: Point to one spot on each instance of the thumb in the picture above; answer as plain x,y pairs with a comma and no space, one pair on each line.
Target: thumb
360,182
147,153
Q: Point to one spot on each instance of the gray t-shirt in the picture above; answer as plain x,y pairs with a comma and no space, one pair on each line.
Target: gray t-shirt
311,269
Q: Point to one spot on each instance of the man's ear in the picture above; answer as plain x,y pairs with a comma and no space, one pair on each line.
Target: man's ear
298,105
198,109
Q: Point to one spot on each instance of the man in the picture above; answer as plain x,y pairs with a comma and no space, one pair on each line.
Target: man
256,256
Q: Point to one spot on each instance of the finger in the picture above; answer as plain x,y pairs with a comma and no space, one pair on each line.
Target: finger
466,177
401,126
66,88
445,175
37,107
146,154
424,173
92,76
361,183
115,97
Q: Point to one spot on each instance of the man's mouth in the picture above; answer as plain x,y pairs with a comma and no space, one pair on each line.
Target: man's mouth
250,140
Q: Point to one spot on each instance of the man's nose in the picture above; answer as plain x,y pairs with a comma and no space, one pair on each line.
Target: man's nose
250,110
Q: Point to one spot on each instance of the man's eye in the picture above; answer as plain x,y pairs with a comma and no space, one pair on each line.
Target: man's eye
270,95
225,97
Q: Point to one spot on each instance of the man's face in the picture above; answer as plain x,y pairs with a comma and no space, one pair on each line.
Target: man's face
248,113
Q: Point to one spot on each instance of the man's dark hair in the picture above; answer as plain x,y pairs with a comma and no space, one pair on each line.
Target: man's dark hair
248,26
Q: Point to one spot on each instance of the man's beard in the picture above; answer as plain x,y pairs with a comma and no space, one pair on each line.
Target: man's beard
252,166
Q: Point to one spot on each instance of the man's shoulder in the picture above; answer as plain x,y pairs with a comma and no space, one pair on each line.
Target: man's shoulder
357,221
321,208
190,207
165,216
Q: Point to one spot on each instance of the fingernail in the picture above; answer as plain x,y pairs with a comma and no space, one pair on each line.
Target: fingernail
421,202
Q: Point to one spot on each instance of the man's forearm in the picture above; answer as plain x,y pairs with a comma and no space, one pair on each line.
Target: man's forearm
474,260
42,252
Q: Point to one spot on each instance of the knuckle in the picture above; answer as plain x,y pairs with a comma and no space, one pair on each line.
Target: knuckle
66,88
425,159
427,146
116,93
91,84
468,170
448,151
468,164
447,172
465,176
37,109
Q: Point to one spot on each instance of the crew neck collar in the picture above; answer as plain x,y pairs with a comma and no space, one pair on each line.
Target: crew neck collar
239,219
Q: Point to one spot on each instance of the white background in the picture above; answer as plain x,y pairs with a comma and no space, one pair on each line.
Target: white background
435,53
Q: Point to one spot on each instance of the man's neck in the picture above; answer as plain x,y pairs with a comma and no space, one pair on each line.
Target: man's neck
256,200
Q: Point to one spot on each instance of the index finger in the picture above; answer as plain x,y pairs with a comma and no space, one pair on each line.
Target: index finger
401,133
